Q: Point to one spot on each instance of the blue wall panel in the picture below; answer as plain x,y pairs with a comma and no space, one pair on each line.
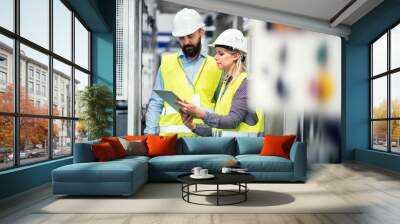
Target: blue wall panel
24,178
356,80
102,58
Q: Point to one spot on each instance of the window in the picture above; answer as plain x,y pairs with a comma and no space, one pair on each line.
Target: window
81,45
7,14
3,72
62,29
81,81
44,91
38,89
3,61
7,142
30,87
55,128
37,74
385,96
63,75
35,22
3,78
30,72
6,73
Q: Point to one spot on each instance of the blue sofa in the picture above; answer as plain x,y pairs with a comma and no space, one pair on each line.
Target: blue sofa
125,176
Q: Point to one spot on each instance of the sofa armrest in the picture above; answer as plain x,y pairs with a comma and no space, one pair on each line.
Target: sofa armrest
83,152
298,155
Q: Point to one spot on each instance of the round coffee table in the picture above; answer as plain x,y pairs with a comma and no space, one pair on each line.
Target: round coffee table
238,179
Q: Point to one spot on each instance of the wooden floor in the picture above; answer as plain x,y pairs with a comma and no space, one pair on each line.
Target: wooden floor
377,188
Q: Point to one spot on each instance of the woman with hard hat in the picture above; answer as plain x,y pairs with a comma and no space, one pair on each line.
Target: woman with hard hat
231,115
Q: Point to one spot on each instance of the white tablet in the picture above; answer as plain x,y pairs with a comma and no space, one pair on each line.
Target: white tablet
170,97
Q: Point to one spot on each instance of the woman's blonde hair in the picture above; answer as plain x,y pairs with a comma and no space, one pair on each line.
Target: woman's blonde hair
240,65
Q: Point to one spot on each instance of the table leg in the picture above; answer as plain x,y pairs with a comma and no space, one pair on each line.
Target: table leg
245,193
188,190
196,188
217,194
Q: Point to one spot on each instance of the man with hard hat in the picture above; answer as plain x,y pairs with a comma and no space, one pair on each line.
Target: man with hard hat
191,74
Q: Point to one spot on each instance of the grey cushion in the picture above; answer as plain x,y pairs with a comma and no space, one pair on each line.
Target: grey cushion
133,147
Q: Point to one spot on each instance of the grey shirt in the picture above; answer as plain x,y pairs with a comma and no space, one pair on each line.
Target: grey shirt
239,113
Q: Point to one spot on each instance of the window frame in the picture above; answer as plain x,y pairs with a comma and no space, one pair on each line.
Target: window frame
16,114
388,74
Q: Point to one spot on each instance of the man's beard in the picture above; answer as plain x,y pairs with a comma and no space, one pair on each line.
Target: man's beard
191,51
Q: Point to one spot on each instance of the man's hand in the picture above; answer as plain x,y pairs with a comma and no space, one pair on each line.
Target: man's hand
188,108
188,120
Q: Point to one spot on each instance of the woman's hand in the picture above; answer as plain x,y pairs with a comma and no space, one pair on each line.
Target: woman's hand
188,108
188,121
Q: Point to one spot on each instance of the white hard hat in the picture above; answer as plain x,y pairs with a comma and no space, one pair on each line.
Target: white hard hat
186,22
231,38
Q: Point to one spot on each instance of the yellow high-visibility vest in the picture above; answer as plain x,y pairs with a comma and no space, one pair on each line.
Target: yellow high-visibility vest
205,84
223,107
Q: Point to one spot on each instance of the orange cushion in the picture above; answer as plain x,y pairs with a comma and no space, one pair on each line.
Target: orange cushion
161,145
277,145
103,152
135,137
116,145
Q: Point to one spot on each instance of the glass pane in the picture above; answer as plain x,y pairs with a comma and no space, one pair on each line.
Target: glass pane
62,89
395,94
62,138
7,14
34,97
379,55
379,135
81,131
62,29
395,47
33,139
379,98
6,142
81,45
6,74
81,81
35,21
395,136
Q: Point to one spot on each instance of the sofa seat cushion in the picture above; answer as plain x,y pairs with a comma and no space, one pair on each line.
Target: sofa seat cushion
133,158
111,171
257,163
185,163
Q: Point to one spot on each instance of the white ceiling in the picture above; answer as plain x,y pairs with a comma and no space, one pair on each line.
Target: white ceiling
321,9
314,15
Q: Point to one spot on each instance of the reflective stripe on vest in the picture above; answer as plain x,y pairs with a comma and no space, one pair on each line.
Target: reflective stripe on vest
174,78
224,105
175,129
222,133
171,110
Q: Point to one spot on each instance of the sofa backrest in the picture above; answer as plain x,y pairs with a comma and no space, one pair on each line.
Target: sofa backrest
249,145
207,145
83,152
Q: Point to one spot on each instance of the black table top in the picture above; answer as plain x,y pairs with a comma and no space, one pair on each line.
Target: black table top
220,178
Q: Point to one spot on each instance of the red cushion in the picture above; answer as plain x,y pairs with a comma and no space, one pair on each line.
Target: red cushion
277,145
116,145
161,145
103,151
